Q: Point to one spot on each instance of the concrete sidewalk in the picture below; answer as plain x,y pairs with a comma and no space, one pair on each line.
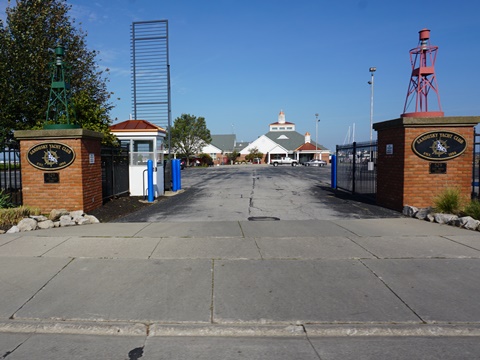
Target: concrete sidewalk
172,290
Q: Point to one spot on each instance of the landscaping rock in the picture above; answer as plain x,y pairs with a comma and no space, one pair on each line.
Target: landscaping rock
93,219
56,214
27,224
445,218
38,218
409,211
76,214
81,220
62,218
47,224
13,230
423,213
66,220
468,222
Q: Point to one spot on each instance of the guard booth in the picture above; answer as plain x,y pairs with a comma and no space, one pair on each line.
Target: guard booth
145,142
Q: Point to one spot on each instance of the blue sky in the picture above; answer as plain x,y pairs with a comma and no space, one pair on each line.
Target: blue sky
239,62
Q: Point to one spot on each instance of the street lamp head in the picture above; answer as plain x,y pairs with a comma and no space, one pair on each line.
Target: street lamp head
373,69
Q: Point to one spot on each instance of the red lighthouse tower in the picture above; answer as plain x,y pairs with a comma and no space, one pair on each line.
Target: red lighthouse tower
423,81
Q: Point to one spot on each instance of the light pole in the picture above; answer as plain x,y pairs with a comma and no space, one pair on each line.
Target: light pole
372,70
317,120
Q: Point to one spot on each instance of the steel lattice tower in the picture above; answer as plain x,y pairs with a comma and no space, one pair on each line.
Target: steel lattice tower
423,79
59,107
151,73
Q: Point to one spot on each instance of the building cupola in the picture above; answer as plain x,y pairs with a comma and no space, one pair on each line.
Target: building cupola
281,117
308,138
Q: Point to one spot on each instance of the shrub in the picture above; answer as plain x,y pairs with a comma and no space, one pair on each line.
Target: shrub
449,201
473,209
13,215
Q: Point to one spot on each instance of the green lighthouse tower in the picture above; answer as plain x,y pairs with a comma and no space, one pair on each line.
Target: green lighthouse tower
59,106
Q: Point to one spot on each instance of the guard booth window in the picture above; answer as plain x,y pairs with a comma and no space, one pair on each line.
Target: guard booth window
142,152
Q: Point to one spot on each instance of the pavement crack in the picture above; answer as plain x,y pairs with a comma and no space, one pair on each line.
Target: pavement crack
364,248
393,292
56,246
12,317
258,248
155,248
252,193
241,229
10,352
212,299
310,342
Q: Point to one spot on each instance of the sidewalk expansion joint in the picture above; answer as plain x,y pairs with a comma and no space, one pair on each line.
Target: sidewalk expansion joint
238,330
393,292
12,317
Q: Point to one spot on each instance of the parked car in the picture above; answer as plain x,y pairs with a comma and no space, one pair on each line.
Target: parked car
284,161
315,162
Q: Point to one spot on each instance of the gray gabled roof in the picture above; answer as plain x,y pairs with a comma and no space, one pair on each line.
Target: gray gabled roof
290,140
239,146
224,142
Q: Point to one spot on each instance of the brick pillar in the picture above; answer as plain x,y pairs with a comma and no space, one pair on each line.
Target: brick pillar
410,171
61,169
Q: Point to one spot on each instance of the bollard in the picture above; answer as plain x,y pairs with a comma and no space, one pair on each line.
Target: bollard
151,190
175,174
334,172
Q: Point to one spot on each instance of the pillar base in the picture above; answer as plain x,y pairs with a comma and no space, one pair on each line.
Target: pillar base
405,177
51,179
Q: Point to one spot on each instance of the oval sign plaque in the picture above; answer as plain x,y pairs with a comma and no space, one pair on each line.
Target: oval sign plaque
439,145
50,156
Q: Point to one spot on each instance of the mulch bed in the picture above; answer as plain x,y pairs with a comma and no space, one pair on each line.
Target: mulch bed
117,207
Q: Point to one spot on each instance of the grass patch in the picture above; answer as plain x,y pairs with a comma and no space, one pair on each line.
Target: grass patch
11,216
449,201
473,209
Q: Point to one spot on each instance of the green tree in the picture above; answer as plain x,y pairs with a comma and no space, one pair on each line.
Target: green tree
254,153
205,159
233,156
32,28
189,135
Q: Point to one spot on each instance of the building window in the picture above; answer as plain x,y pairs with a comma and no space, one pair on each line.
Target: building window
142,150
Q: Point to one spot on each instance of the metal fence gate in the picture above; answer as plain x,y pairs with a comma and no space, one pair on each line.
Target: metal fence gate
115,168
357,168
10,175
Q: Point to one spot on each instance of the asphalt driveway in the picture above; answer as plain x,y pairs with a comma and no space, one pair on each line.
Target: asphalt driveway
247,192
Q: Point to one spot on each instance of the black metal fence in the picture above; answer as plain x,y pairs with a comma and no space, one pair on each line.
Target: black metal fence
357,168
114,171
10,174
476,168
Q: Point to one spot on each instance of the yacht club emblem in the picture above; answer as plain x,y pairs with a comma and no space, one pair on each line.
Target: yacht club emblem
50,156
439,145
